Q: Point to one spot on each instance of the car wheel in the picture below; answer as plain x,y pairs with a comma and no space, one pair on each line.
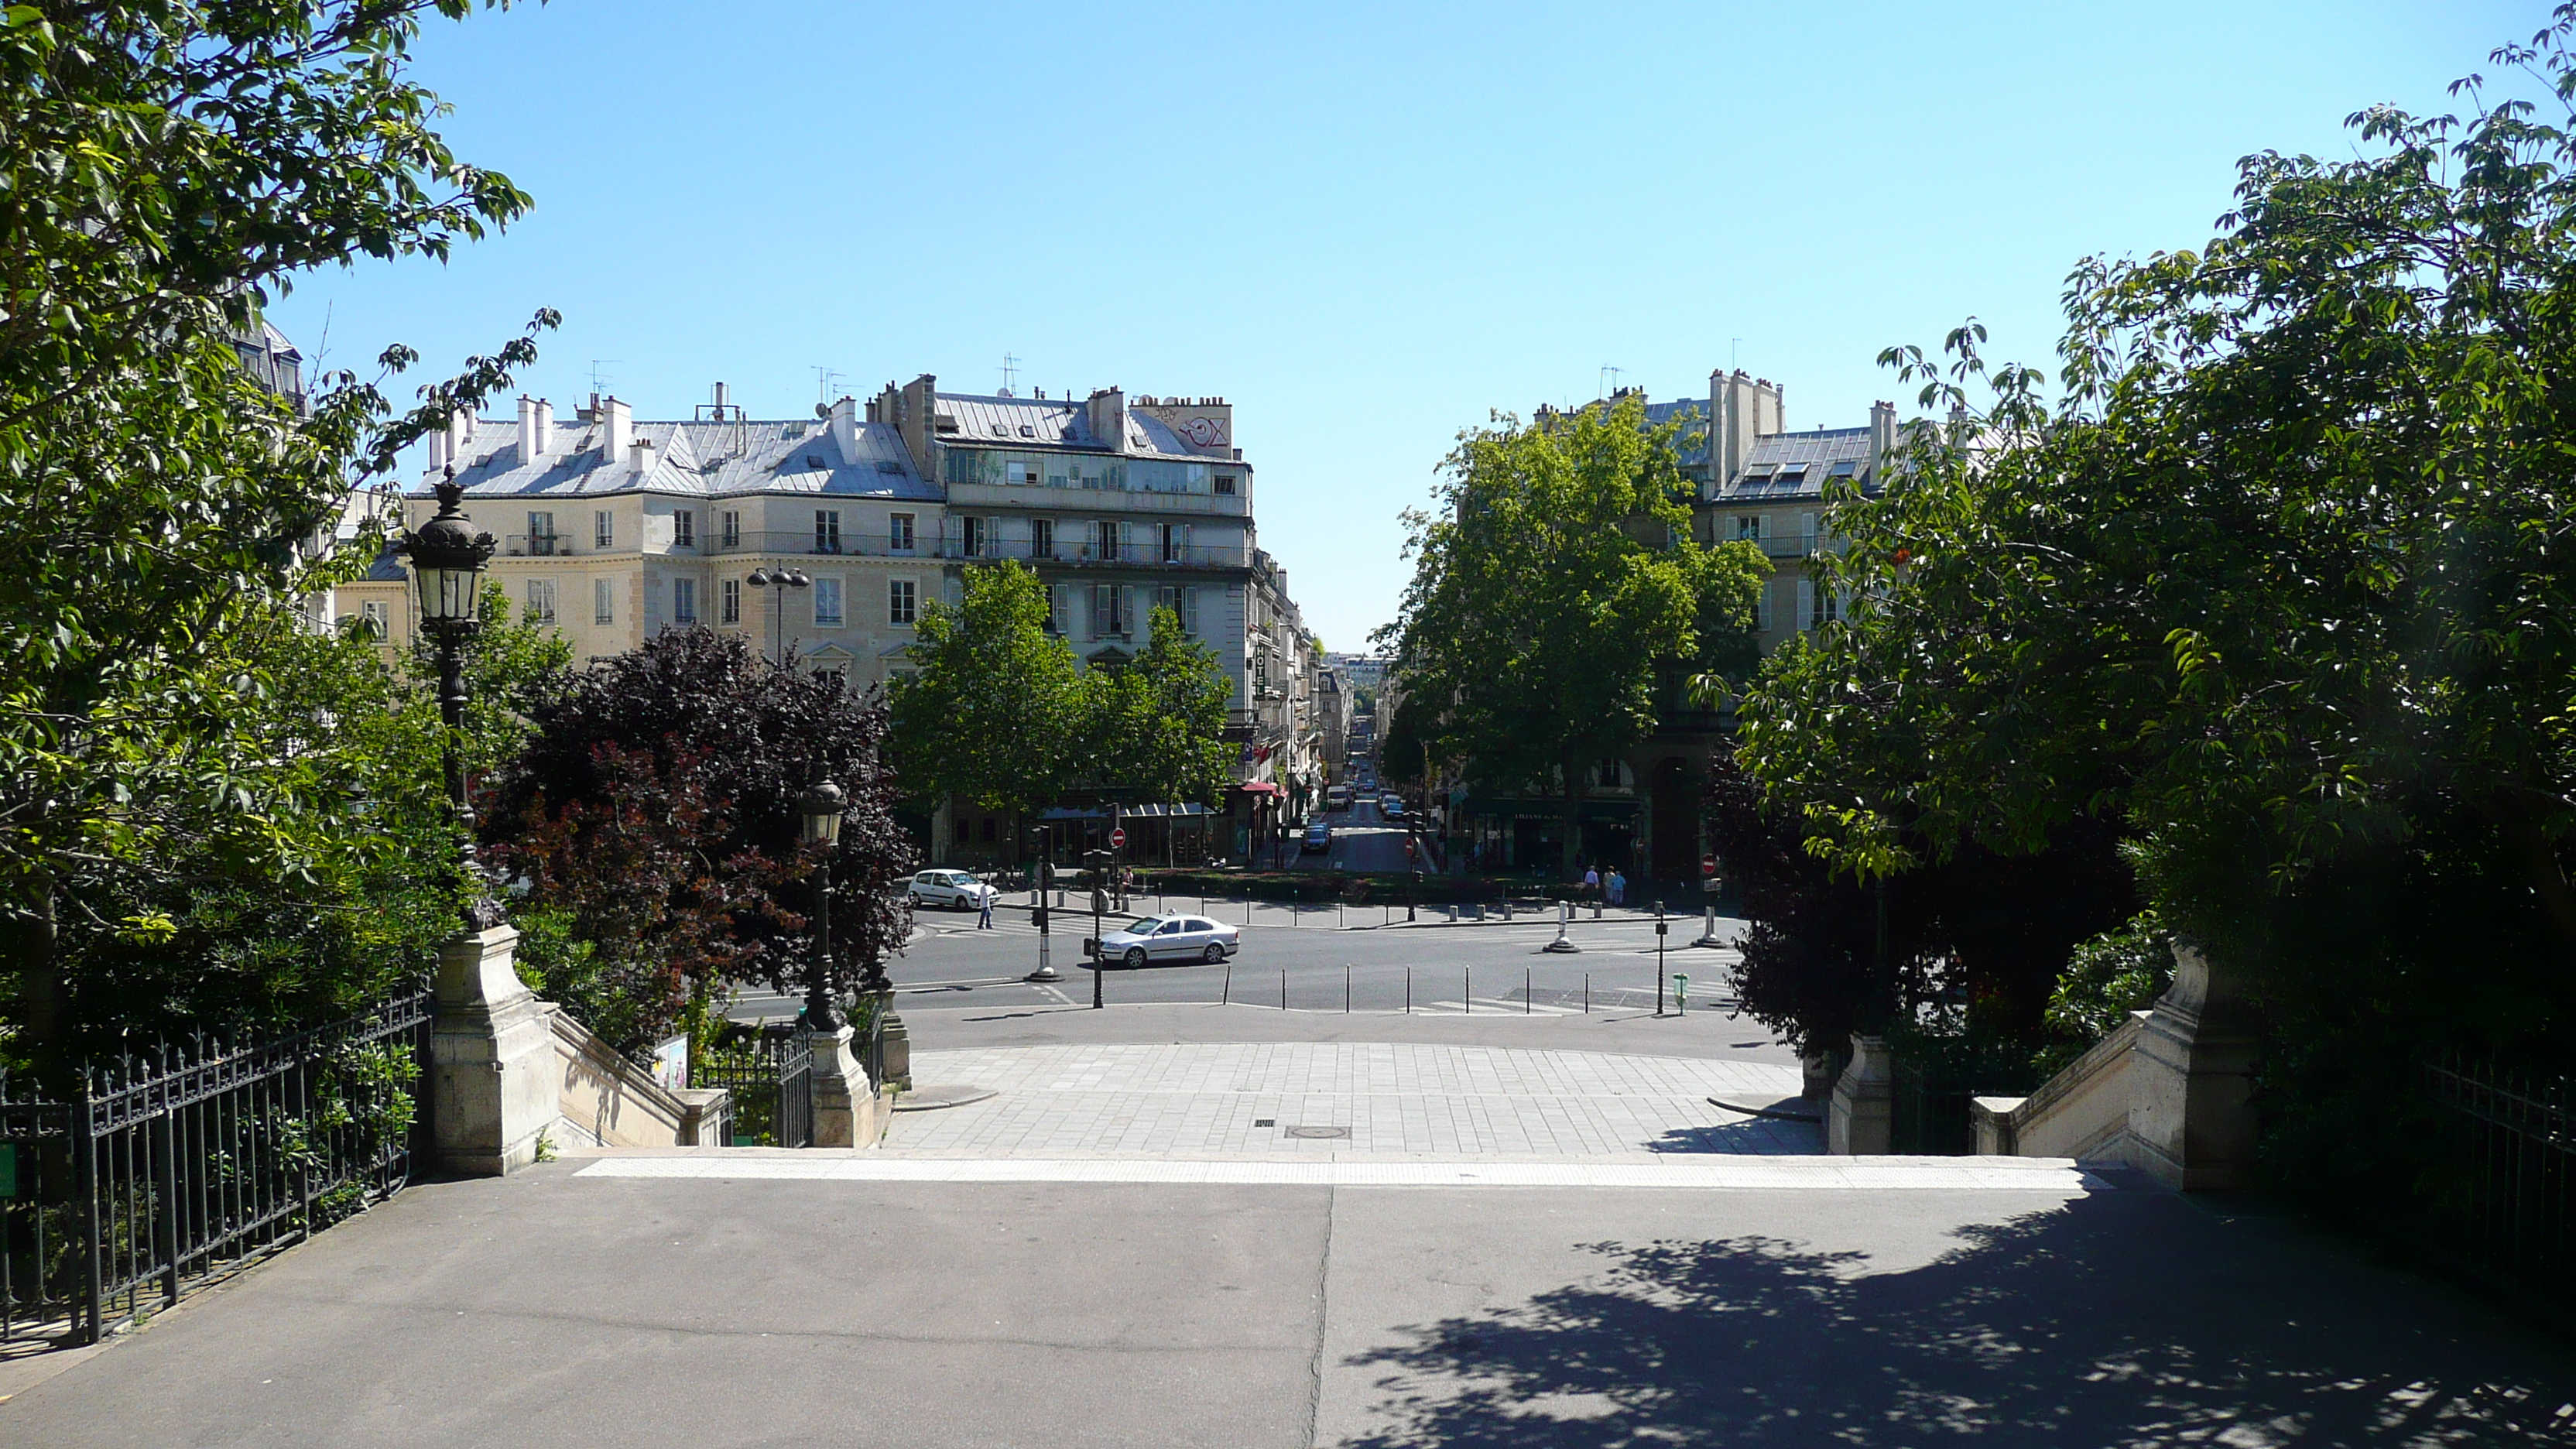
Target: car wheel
1135,956
1213,954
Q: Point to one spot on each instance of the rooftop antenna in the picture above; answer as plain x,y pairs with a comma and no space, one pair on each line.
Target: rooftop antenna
1010,373
827,380
1609,375
599,375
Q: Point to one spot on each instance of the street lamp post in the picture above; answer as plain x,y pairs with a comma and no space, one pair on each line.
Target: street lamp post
783,578
1038,914
821,807
447,558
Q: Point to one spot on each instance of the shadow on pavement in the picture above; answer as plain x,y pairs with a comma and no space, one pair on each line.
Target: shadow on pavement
2123,1318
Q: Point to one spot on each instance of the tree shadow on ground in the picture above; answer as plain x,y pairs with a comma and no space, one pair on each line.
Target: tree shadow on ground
2122,1319
1768,1136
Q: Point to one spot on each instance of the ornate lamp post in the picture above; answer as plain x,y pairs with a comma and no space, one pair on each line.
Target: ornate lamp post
820,808
784,578
447,559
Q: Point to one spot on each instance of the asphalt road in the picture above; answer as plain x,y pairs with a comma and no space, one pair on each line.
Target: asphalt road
1364,842
1360,966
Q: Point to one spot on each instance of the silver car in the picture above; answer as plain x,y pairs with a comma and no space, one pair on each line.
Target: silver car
1171,938
954,889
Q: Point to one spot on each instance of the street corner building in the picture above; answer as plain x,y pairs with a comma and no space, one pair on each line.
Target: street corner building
614,528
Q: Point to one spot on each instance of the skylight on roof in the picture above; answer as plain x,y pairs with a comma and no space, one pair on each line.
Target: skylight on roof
1845,468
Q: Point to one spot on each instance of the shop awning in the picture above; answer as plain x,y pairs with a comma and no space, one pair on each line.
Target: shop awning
1260,787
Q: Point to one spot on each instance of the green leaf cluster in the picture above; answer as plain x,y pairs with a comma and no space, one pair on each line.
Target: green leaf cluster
2276,580
1559,602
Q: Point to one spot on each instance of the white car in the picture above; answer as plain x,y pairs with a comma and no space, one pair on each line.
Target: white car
954,889
1171,938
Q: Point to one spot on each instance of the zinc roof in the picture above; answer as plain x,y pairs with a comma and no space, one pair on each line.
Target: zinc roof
708,459
1021,422
1796,465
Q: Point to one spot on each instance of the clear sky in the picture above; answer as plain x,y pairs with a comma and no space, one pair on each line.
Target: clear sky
1364,225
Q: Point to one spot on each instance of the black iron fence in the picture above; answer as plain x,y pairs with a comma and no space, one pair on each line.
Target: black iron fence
1930,1092
2504,1201
169,1170
771,1079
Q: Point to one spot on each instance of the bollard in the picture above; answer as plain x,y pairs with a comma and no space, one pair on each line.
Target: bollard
1408,991
1227,998
1283,990
1469,990
1708,929
1596,908
1525,991
1562,943
1587,993
1681,994
1507,908
1346,988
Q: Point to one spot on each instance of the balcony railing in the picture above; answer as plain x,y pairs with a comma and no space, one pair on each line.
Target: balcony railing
1143,553
1791,545
538,545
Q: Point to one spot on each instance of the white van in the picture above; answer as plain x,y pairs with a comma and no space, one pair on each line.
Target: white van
1337,797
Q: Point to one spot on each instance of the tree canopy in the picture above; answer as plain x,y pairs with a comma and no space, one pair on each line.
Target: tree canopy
1558,600
2275,584
169,166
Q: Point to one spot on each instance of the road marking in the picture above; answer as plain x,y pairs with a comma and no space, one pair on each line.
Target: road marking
2055,1176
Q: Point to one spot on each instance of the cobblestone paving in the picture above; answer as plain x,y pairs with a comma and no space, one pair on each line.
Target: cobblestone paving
1393,1099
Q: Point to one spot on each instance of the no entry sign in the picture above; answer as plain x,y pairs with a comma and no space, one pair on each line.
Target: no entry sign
1118,839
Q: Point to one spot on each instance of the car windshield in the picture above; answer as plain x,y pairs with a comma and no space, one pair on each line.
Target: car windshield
1146,927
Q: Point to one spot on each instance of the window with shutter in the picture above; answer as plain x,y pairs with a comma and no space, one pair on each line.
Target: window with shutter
1806,604
602,602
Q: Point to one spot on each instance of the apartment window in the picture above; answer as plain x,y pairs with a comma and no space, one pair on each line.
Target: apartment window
1807,532
899,533
1176,542
732,527
902,603
1041,538
827,530
1225,485
603,604
684,601
827,603
1750,526
1113,607
1057,607
1020,473
975,534
541,600
541,535
1104,540
1762,608
1184,604
371,617
684,527
729,601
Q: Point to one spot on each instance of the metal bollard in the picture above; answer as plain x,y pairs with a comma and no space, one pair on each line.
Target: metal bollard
1587,993
1346,988
1469,990
1525,991
1227,998
1507,908
1408,991
1563,943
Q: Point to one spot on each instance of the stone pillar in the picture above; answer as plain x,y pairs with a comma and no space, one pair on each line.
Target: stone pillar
897,1045
2191,1084
493,1085
1862,1117
845,1102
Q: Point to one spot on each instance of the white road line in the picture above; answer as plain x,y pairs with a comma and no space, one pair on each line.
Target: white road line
2054,1176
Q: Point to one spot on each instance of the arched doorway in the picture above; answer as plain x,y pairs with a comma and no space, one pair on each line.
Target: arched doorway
1674,848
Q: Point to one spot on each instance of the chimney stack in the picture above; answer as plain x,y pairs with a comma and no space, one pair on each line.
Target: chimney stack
1882,434
844,419
616,431
1106,413
536,428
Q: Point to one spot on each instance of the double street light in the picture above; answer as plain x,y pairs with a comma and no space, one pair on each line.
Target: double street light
447,558
782,578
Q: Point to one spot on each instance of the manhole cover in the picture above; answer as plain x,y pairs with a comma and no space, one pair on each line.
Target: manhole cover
1319,1132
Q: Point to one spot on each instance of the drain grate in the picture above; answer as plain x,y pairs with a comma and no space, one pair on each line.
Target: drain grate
1265,1121
1319,1132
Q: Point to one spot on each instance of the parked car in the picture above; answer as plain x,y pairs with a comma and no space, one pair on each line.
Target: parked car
954,889
1392,805
1171,938
1318,839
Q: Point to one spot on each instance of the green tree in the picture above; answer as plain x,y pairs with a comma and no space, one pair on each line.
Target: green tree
166,166
1558,600
1155,729
2277,586
991,710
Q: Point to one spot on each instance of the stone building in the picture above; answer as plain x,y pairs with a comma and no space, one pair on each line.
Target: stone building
611,529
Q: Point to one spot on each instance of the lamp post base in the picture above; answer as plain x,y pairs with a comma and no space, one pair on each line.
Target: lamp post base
493,1088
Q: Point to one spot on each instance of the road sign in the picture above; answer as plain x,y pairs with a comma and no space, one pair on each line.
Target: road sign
1118,839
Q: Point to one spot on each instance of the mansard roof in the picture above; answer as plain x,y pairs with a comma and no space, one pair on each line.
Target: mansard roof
702,458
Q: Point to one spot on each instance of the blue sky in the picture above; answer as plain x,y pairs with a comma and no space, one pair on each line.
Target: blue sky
1364,225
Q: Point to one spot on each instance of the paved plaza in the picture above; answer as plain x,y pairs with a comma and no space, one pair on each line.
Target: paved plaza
1334,1099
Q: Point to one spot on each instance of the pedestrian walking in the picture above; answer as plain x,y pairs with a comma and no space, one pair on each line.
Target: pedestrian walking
1591,883
984,919
1618,887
